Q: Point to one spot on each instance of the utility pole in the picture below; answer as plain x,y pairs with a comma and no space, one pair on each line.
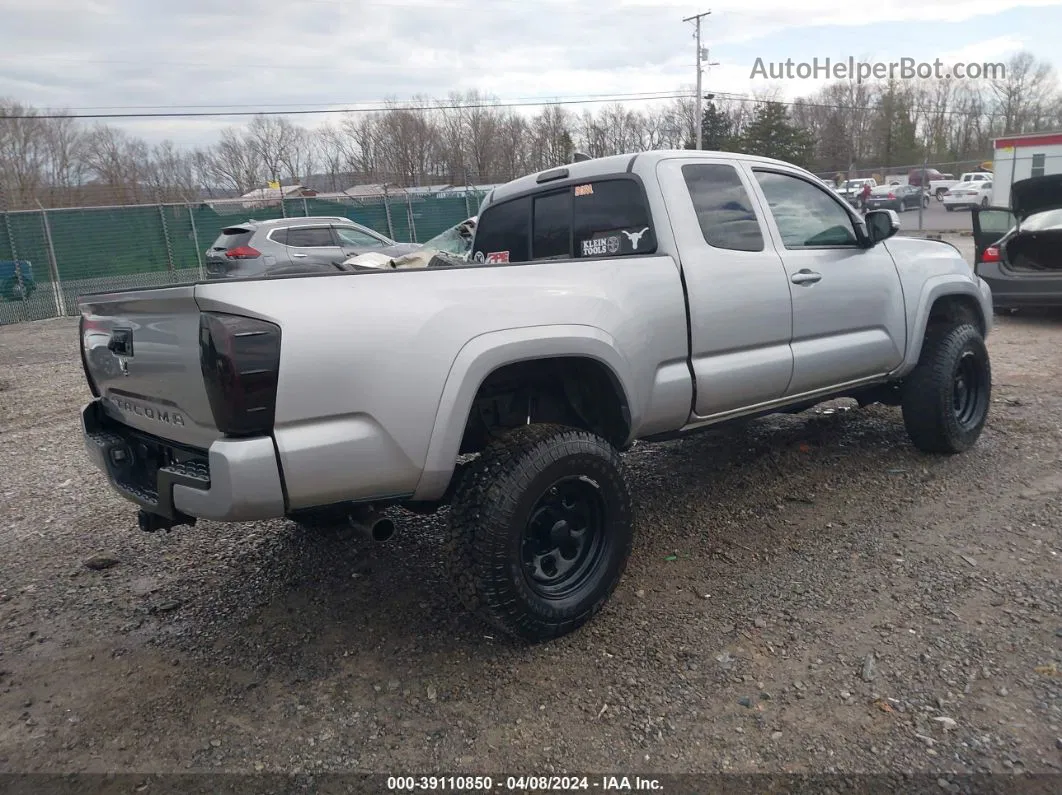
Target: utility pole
696,19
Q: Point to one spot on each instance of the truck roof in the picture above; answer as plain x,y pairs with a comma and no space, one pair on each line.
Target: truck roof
639,163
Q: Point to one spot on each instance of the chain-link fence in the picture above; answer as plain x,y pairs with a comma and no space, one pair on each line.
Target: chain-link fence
48,257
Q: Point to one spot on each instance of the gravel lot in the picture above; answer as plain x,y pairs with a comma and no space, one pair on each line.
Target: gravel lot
807,594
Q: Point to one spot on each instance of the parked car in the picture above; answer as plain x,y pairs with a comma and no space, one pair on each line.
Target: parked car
291,245
914,176
851,189
455,242
940,187
1018,250
16,279
896,197
965,195
636,297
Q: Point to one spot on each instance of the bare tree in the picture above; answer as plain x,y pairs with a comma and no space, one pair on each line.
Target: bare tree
22,156
1023,98
235,162
119,162
276,141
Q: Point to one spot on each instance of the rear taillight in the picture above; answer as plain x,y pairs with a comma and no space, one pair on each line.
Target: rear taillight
243,252
991,254
892,195
82,327
240,359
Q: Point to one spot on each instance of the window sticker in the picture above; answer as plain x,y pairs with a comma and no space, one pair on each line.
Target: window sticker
584,190
497,257
635,237
601,246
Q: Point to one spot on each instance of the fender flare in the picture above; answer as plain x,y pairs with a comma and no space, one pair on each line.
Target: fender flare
484,354
933,289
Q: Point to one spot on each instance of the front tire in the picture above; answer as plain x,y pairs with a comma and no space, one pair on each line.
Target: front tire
946,397
540,531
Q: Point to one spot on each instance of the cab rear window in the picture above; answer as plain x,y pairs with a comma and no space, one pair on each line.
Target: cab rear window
598,218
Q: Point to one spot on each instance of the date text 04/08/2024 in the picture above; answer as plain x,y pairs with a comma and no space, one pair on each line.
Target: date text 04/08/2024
521,783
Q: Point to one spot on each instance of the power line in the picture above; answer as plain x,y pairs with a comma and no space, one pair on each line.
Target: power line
373,109
646,95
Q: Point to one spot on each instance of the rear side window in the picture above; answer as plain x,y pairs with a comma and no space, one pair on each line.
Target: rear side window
310,237
233,238
723,207
503,233
610,218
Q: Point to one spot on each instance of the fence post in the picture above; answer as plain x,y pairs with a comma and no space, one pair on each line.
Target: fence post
925,192
387,212
468,208
305,208
195,242
14,252
412,223
57,284
166,238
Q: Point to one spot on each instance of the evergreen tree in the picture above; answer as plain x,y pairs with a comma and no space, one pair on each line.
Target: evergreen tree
772,134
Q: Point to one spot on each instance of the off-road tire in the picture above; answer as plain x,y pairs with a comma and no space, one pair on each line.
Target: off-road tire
930,399
492,507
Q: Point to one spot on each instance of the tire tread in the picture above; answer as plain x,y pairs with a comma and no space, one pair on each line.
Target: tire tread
476,559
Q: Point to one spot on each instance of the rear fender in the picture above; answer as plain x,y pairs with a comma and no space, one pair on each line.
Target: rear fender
486,353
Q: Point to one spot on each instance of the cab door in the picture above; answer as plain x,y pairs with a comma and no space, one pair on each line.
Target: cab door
849,316
740,311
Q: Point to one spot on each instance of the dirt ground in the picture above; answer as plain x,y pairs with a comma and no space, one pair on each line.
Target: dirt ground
806,594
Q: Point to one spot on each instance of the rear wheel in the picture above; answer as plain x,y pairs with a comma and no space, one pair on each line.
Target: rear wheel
946,397
949,208
540,531
984,202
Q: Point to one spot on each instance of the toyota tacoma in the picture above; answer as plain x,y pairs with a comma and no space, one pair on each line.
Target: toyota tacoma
635,297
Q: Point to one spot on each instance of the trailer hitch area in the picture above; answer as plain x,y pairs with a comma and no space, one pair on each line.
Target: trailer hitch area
152,522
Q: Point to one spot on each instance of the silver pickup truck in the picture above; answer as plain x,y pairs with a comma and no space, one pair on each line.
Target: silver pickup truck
637,297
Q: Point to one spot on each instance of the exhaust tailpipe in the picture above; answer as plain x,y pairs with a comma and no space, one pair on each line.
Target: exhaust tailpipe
374,526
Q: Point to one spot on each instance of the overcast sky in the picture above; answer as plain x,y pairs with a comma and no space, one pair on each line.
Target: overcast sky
184,54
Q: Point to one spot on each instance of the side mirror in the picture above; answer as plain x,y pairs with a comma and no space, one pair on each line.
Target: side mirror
881,225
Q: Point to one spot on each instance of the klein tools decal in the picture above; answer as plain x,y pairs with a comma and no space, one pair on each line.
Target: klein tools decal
600,246
609,245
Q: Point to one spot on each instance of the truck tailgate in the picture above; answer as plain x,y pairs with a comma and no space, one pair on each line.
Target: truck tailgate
142,353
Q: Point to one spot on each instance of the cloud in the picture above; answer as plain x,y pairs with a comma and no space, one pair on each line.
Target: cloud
257,53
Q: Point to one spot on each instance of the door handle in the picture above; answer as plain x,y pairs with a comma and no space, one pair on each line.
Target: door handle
300,255
804,276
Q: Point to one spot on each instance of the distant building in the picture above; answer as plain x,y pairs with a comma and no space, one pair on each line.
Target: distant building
1019,157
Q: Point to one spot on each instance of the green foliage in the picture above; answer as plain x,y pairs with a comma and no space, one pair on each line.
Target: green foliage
771,133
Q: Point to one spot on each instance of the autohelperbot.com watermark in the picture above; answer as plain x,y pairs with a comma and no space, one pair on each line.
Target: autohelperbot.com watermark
851,69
